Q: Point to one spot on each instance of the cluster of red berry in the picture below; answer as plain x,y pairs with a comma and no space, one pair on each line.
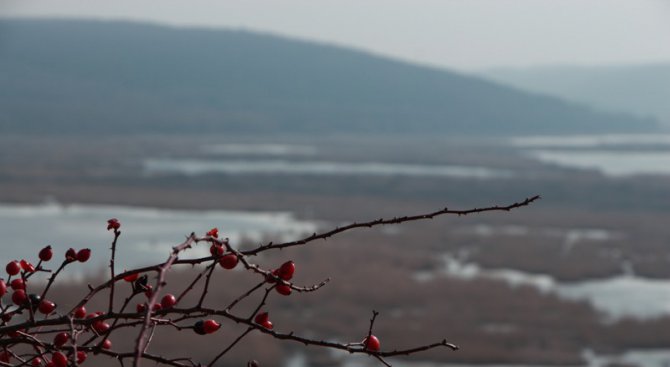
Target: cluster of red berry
25,270
280,277
19,272
63,346
66,349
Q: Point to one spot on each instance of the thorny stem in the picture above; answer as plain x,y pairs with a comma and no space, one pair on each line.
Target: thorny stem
372,322
206,287
142,340
382,221
260,305
52,278
223,352
245,295
117,233
190,286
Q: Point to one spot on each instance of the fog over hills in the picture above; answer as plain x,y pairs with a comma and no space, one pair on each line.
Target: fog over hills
65,76
643,90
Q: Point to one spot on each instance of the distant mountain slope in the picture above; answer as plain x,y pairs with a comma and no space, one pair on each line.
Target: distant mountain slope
643,90
106,77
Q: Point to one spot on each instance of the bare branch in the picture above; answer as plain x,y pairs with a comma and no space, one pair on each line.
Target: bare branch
382,221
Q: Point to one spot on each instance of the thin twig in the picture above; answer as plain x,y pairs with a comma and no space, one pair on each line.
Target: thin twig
223,352
142,340
117,233
382,221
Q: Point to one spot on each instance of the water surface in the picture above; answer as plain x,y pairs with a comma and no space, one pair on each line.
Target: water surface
148,234
194,167
614,155
618,296
610,163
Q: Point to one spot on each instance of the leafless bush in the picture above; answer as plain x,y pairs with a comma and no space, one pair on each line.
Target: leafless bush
34,332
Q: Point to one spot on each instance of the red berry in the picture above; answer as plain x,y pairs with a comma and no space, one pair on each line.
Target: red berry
156,307
3,287
61,338
107,344
50,364
149,290
216,250
5,356
18,283
15,333
286,270
46,307
210,326
81,356
80,312
27,267
83,255
132,277
13,267
37,361
113,224
214,232
141,308
100,326
46,253
283,289
372,344
59,359
263,320
228,261
70,254
168,301
19,297
261,317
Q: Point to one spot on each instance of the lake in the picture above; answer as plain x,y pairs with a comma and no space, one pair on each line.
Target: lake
614,155
193,167
148,234
617,296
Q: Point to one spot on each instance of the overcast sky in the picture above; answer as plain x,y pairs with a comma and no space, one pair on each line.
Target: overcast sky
460,34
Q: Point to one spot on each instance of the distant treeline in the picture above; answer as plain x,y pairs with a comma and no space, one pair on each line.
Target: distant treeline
114,77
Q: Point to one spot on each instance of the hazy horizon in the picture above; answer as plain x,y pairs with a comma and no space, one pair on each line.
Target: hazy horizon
468,36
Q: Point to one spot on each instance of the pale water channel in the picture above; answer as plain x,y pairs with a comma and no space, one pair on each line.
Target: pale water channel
193,167
614,155
148,234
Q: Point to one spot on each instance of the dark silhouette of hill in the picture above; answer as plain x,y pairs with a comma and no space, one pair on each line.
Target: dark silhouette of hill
66,76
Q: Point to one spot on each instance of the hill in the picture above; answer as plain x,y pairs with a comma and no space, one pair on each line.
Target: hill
89,77
642,90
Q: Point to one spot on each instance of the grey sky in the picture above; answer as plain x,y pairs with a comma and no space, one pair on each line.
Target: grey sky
461,34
